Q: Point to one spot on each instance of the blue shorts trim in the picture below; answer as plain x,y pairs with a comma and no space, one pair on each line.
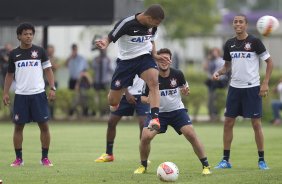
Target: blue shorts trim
244,102
127,69
31,108
177,119
127,109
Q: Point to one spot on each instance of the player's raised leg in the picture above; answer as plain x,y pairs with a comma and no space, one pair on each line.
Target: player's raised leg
144,148
18,140
150,76
198,147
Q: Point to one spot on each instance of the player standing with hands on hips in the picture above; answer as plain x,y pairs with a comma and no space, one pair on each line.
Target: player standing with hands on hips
137,54
26,65
244,98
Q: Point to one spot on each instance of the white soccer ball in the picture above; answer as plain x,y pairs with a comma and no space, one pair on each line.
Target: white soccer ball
167,171
267,24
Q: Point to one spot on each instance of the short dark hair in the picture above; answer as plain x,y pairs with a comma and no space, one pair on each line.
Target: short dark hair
242,15
25,26
165,51
73,46
155,11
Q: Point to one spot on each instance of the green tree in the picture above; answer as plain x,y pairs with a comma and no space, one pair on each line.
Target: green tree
185,18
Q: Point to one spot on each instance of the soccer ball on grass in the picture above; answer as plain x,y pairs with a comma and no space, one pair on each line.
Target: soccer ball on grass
167,171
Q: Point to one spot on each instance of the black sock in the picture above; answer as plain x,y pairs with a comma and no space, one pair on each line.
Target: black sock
109,149
44,153
261,155
19,153
226,155
155,112
204,162
144,163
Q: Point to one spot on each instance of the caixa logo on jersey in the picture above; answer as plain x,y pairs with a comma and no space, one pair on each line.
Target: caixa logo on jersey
236,55
168,92
27,63
141,39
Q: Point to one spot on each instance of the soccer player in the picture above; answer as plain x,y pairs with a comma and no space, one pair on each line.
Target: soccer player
26,65
130,101
137,55
244,98
172,112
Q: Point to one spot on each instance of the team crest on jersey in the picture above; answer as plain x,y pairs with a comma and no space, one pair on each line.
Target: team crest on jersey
17,117
248,46
173,82
117,83
150,31
34,54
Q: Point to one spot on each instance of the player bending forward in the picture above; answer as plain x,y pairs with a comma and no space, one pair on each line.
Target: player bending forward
172,112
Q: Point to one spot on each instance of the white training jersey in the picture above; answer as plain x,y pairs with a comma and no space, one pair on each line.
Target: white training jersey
28,65
245,56
134,39
170,95
137,86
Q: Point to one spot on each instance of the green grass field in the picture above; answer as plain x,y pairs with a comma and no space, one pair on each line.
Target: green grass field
74,148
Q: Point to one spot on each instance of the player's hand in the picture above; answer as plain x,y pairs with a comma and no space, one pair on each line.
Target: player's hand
51,95
162,59
215,76
130,98
6,99
185,90
102,43
263,90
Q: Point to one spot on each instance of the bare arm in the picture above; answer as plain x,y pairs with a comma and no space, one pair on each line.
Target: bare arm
226,68
264,86
103,43
159,58
8,82
50,77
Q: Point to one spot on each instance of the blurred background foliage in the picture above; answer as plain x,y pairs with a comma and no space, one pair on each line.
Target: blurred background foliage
185,19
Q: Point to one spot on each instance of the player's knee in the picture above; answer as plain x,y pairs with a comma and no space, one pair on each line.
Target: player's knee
18,128
146,139
113,101
256,126
111,125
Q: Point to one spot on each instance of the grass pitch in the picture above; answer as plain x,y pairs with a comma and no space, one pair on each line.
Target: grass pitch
75,146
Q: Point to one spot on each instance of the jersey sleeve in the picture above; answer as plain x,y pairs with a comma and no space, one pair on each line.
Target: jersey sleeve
261,50
119,30
226,52
11,63
155,34
45,62
181,78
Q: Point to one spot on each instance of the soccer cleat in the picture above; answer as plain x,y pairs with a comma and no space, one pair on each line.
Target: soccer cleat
262,165
114,108
46,162
105,158
17,163
140,170
206,170
223,165
154,124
